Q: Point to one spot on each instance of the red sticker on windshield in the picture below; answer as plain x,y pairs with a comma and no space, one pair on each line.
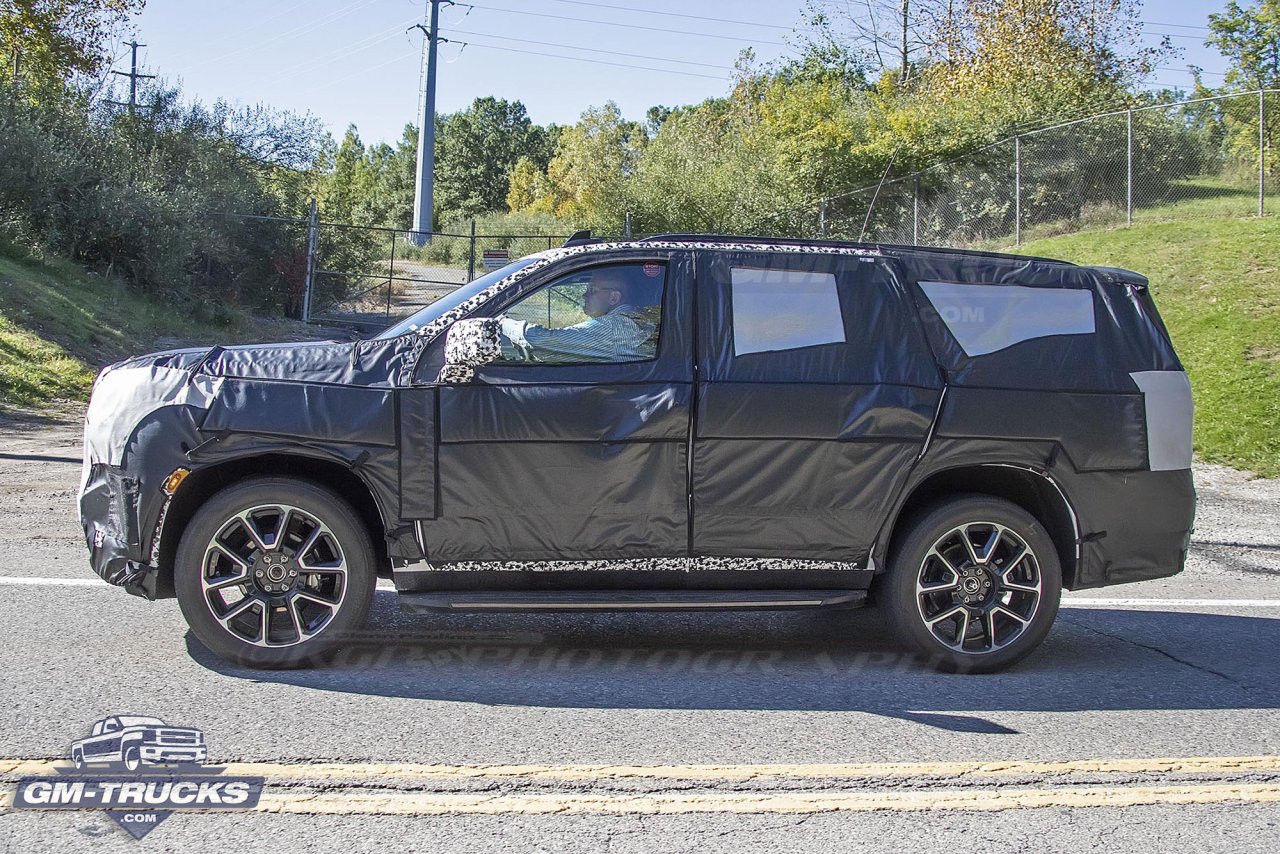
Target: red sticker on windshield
652,270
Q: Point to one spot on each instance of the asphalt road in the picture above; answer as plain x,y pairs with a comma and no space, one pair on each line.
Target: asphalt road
633,732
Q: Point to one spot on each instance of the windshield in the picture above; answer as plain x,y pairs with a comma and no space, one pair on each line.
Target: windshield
139,720
454,298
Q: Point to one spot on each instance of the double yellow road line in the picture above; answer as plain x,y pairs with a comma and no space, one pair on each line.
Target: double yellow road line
370,788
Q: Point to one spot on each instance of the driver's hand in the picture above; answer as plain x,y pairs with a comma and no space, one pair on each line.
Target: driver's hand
513,330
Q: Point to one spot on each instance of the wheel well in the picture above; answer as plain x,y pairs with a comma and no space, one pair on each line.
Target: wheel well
1031,491
202,484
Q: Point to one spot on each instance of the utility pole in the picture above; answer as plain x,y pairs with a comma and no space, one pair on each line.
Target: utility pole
906,25
424,193
134,77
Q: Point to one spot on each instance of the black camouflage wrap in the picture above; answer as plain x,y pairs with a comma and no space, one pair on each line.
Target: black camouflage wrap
698,467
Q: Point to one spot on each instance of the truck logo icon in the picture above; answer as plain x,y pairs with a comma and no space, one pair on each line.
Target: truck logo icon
139,770
134,741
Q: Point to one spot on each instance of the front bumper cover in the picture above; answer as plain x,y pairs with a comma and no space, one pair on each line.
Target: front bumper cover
111,516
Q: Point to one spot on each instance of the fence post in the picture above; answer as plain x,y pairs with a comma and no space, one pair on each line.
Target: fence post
391,274
313,231
915,210
822,218
1128,184
471,263
1017,191
626,226
1262,152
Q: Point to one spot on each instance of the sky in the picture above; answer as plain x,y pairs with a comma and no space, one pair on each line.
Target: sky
359,62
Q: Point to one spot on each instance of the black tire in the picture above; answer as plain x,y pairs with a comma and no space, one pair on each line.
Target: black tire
343,534
132,758
994,638
77,758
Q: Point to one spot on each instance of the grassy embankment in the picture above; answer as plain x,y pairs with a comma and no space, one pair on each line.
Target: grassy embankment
59,324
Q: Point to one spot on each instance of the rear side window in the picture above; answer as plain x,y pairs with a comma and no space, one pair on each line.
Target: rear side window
807,318
988,318
783,310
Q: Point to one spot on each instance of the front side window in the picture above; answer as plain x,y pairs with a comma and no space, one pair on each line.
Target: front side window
602,315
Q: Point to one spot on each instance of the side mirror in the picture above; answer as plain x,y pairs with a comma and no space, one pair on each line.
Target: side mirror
469,344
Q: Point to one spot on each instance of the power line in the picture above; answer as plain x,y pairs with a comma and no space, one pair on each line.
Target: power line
596,61
627,26
675,14
298,30
1174,35
352,49
326,84
1188,71
403,56
594,50
1179,26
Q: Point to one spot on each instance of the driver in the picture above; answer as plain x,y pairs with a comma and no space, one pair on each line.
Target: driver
615,330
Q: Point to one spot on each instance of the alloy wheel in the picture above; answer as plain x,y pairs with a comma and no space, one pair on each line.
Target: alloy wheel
978,588
274,575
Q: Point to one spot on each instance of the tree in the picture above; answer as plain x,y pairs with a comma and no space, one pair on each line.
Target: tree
50,40
530,188
875,37
476,151
350,183
593,163
1028,61
395,182
1250,38
655,117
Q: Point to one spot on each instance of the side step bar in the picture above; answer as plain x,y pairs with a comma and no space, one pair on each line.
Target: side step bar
629,600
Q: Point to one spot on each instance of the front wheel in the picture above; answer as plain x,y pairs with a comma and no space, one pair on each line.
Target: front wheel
974,584
274,572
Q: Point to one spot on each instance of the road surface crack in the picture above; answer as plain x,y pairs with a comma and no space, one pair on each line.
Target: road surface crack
1159,651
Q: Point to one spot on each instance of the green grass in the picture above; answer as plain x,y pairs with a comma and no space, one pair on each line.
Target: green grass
1216,282
59,324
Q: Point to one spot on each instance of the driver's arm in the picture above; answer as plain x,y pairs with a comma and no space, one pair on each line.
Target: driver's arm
594,338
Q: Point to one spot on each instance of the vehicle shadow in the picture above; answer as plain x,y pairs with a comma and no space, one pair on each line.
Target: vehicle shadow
1095,659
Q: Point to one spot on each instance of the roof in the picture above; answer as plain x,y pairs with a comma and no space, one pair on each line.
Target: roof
837,244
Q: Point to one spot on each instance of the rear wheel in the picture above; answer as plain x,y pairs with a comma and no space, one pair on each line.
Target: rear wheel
274,572
974,585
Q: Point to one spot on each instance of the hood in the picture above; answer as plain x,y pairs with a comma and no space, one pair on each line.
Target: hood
183,359
361,363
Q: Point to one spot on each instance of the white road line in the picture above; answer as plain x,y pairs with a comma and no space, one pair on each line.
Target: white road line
51,582
1092,602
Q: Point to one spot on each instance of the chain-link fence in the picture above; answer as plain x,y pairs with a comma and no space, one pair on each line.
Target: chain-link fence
369,277
1205,157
